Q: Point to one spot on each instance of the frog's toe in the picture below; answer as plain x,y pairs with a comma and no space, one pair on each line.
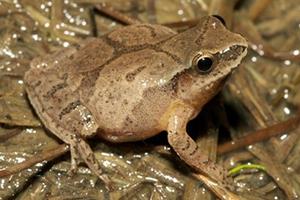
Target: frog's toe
219,174
90,160
75,160
107,181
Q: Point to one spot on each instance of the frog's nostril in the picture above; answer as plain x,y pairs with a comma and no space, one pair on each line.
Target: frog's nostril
221,19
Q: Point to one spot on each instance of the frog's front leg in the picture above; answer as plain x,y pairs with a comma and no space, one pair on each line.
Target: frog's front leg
187,149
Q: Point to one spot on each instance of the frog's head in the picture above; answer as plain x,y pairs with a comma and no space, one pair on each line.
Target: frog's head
210,54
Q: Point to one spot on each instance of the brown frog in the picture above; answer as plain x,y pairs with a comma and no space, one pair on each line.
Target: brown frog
133,83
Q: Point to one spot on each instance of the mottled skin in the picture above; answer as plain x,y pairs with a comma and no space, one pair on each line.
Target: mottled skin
131,84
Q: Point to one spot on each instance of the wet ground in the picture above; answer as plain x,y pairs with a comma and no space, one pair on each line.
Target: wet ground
264,91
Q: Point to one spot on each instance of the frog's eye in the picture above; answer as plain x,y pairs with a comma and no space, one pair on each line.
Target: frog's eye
204,64
220,19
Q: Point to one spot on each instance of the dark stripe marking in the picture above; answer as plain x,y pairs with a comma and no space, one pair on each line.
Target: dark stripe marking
54,89
70,107
194,151
201,34
131,75
150,28
173,56
187,145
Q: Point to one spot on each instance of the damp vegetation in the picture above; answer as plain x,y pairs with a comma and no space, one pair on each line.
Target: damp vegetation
251,128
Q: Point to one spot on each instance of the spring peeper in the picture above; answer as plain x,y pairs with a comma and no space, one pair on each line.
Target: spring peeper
133,83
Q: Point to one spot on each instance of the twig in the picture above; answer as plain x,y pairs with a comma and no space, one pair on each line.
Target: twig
41,157
9,134
116,15
260,135
182,24
220,191
246,27
257,8
151,11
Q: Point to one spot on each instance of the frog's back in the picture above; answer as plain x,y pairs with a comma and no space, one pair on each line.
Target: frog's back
124,95
76,83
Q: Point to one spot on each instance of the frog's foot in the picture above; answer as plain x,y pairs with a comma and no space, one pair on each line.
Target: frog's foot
87,154
75,160
83,150
220,174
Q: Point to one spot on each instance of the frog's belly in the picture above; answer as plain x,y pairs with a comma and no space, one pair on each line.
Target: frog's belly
118,137
130,117
129,123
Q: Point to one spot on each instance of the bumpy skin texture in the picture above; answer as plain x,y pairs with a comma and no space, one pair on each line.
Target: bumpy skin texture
131,84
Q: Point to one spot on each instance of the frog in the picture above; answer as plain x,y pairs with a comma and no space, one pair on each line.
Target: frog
133,83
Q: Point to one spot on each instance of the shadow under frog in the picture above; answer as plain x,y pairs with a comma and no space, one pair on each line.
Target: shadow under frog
133,83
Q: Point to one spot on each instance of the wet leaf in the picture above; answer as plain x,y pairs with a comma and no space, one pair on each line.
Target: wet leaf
14,107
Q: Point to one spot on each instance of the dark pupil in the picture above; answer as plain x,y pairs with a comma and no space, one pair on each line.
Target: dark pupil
204,64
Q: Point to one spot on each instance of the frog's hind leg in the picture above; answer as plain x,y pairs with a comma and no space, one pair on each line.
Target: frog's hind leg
69,120
75,159
89,158
79,148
